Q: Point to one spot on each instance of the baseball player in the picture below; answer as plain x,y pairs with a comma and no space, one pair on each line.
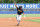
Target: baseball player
19,12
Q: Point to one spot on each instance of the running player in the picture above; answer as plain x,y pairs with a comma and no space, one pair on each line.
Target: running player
19,12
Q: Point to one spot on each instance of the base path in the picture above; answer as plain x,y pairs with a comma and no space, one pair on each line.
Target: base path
12,22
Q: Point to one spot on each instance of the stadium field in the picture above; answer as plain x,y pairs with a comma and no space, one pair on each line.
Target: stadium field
30,20
36,20
14,15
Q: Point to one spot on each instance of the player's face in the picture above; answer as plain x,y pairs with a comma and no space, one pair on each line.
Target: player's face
21,8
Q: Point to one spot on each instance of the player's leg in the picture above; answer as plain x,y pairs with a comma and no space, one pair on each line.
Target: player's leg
18,19
18,22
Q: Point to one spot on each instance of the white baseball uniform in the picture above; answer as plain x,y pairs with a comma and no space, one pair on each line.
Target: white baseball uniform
18,17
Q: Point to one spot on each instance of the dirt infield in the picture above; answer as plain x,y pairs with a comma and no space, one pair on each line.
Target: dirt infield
11,22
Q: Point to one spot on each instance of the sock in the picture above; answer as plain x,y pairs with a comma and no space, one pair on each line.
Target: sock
18,21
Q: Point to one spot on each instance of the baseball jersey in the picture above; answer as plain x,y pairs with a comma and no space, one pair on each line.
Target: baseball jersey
18,12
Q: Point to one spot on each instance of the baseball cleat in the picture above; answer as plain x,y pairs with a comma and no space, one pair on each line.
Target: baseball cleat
17,24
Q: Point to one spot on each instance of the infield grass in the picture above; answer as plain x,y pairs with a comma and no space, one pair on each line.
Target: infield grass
14,15
35,20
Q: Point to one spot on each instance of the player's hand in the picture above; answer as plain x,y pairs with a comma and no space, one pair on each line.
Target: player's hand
15,4
14,1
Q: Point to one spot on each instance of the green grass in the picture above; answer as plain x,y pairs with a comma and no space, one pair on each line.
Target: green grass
14,15
26,15
35,20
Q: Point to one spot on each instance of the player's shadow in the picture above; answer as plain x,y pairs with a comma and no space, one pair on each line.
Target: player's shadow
15,25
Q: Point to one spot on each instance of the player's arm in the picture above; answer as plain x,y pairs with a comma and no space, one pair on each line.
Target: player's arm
23,12
15,5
